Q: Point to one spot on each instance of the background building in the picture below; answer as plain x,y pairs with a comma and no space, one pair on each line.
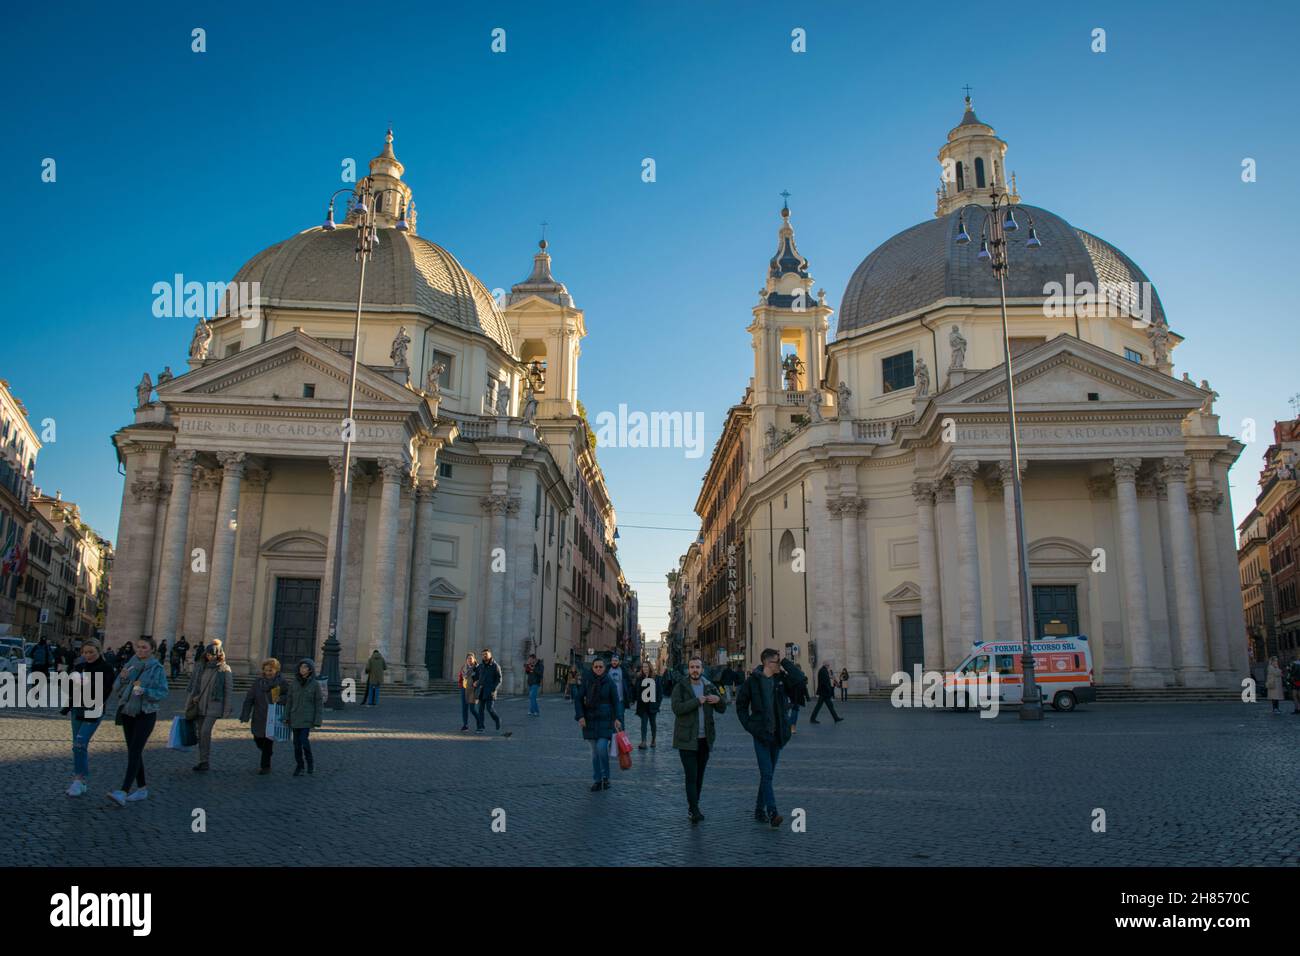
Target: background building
19,447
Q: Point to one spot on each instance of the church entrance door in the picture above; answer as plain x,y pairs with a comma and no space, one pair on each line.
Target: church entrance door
293,631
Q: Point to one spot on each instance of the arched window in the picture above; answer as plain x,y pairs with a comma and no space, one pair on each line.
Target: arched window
785,554
961,177
979,172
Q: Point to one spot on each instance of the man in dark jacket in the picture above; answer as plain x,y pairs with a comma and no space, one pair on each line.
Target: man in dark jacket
179,653
763,707
825,694
535,672
622,681
489,679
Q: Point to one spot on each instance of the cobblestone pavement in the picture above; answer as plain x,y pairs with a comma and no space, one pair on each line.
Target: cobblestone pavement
1181,784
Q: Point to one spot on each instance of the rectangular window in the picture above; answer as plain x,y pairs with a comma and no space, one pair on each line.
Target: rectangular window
308,390
444,470
896,372
232,349
445,360
342,346
1133,355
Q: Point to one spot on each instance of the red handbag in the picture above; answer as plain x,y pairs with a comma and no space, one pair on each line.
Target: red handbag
623,741
624,760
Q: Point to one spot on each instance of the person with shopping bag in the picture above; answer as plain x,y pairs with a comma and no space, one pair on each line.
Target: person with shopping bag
304,711
597,712
694,702
212,697
466,679
264,705
141,686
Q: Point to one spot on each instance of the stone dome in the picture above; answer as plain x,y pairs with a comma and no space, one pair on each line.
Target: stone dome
924,264
317,268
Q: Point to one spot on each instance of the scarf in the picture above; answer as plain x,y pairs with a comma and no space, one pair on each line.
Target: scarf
593,689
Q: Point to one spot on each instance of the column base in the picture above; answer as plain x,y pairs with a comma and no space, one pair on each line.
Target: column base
1196,677
1146,677
420,678
1227,680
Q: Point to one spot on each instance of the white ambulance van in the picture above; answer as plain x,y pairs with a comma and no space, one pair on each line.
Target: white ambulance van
1062,670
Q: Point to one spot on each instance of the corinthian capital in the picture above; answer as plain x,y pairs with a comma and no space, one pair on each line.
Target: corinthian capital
1126,469
963,473
1175,469
923,492
494,504
392,469
232,463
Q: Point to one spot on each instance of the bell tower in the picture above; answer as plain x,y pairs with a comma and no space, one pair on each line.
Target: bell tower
970,162
789,340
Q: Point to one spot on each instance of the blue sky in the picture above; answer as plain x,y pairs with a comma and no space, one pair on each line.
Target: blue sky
171,161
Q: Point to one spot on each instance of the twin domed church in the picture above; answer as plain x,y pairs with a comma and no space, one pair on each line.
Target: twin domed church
880,461
478,517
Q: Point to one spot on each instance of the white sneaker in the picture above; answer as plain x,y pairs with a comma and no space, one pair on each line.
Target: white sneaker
118,797
77,788
141,794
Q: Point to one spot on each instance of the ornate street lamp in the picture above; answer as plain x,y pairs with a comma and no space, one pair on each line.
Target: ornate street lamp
1000,219
367,238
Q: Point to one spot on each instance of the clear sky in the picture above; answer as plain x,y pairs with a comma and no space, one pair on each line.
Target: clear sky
173,161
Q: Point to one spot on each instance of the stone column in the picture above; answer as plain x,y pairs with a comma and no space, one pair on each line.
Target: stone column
421,575
1204,504
203,518
331,549
1142,672
1167,562
1014,598
174,559
222,565
135,565
390,501
928,554
972,613
1234,613
1193,670
846,509
496,507
352,637
524,538
945,522
239,632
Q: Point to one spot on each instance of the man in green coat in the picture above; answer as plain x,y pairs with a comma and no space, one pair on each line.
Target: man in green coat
375,668
695,700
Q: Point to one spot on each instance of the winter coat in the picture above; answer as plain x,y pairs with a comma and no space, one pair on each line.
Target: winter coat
305,707
603,711
466,680
212,692
489,679
639,686
375,668
264,692
1274,681
754,714
686,714
825,684
153,681
796,684
536,674
105,672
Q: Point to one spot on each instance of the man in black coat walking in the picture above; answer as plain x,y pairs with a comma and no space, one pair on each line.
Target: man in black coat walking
825,694
489,679
763,706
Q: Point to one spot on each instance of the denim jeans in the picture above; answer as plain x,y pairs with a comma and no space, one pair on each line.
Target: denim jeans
487,705
650,719
767,752
533,691
794,715
302,745
464,709
599,759
372,694
82,731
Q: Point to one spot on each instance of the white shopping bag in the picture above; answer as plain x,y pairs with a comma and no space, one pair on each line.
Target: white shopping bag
276,728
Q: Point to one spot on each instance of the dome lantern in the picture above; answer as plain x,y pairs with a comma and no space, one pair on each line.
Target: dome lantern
971,161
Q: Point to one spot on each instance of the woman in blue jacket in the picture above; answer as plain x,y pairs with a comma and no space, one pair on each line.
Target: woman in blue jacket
140,688
596,710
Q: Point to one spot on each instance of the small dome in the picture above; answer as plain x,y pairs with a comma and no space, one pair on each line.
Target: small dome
317,268
924,264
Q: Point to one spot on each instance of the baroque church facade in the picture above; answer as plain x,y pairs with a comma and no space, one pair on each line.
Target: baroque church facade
468,461
879,460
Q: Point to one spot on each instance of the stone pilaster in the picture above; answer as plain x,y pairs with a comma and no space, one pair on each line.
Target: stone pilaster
134,564
845,510
928,554
391,471
174,559
525,584
945,519
972,614
223,546
1014,598
421,578
1142,671
1204,504
203,519
1193,662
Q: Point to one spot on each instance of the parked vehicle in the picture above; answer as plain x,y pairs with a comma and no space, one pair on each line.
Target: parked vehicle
1062,670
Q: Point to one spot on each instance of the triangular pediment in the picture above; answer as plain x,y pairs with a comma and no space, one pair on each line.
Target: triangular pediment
444,589
278,370
1067,371
907,591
